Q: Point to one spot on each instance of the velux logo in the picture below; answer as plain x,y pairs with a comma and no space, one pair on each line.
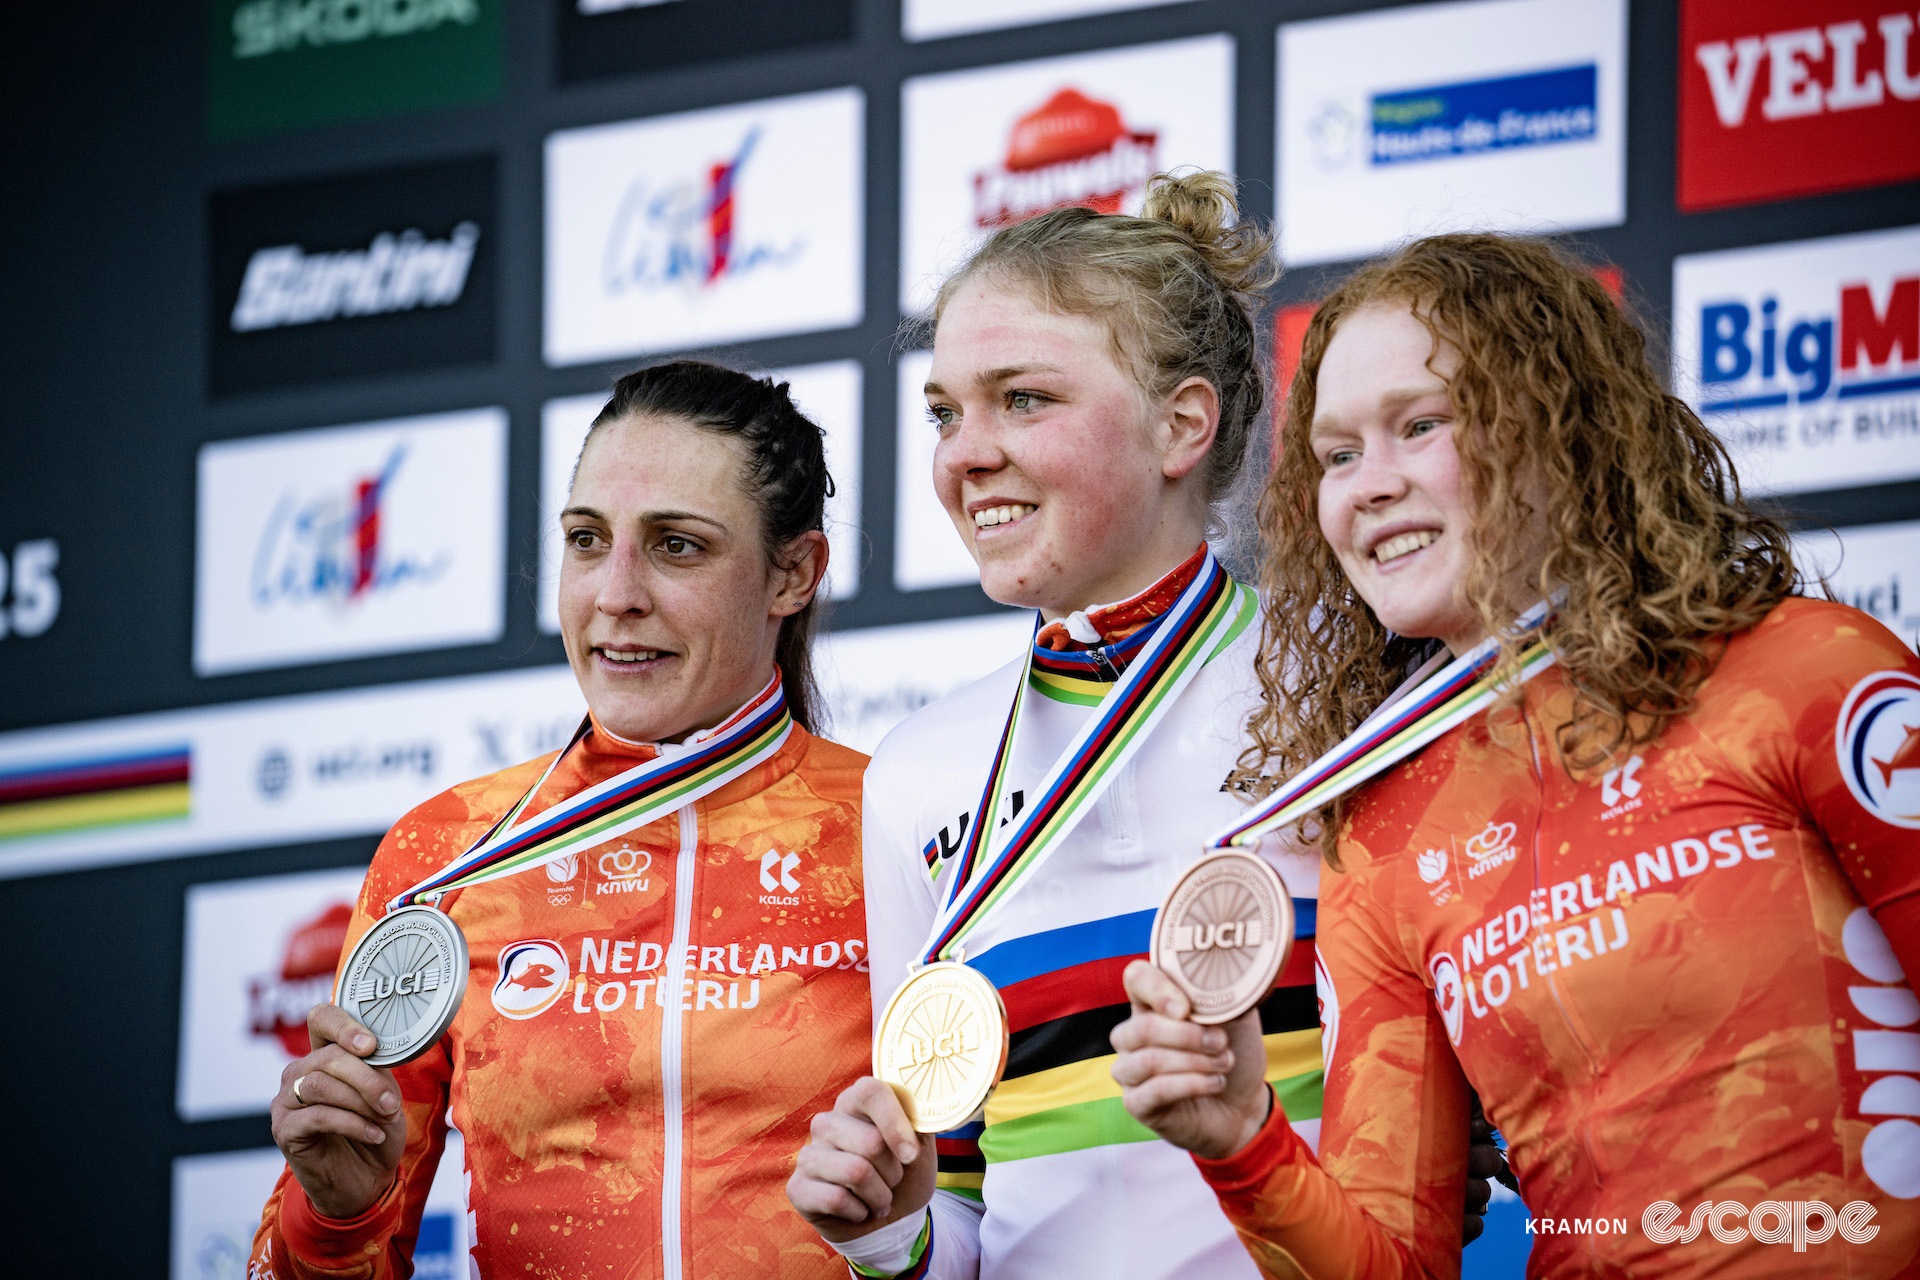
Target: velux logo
1796,86
1621,784
776,874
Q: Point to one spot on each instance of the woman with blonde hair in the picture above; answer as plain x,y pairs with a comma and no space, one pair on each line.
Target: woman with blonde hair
1095,384
1654,901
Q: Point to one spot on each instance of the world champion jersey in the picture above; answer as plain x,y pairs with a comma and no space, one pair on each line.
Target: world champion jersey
1059,1180
647,1030
1675,977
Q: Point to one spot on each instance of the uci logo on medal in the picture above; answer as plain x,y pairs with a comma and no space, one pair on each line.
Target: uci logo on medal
533,977
1877,740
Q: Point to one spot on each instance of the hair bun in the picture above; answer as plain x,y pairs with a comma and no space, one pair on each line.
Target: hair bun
1204,206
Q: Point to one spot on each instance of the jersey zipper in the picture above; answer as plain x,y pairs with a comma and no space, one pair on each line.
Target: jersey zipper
671,1039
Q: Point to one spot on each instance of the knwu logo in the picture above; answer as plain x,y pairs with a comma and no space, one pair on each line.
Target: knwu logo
624,871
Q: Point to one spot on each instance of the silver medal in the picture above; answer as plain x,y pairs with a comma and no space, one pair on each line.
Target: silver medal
404,982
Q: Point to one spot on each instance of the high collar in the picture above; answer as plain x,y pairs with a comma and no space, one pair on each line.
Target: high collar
1106,624
605,741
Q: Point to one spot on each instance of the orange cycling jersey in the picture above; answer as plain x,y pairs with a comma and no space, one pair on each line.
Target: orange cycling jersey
646,1032
1669,979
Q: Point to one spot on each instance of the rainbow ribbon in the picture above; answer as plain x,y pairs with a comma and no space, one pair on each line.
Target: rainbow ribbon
1397,729
618,805
993,861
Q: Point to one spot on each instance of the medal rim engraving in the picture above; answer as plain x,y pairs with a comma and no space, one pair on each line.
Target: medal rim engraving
1259,878
889,1029
426,1030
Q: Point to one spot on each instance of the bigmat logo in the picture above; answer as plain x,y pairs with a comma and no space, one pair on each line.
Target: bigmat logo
1794,97
986,147
1805,357
349,277
712,226
344,541
1500,115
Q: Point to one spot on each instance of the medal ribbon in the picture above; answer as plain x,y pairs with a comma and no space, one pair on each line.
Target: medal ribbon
1402,726
1187,638
618,805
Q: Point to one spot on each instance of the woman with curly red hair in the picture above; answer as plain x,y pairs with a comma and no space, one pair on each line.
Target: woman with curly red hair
1654,904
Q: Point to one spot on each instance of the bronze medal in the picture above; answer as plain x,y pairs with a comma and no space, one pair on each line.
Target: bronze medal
1223,933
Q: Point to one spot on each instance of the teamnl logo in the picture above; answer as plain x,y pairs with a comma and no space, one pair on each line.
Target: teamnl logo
329,546
286,285
681,234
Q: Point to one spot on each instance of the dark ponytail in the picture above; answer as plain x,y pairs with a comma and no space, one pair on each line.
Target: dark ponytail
786,475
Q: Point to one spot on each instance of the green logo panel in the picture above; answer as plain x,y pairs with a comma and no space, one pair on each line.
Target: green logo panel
291,64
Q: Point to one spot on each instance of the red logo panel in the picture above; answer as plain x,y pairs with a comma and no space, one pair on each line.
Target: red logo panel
1796,97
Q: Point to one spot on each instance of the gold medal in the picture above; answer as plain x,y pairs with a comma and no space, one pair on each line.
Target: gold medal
941,1044
1223,933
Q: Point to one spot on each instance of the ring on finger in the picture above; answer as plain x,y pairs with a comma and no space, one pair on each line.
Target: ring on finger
296,1090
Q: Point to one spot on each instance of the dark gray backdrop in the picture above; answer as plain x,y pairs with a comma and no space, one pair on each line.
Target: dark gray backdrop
103,219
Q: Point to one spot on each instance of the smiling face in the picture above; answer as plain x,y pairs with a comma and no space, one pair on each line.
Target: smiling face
669,606
1070,486
1391,501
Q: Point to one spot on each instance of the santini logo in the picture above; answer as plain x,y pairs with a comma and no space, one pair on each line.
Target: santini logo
261,27
286,285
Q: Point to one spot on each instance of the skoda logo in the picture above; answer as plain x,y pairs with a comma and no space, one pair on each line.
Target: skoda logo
273,774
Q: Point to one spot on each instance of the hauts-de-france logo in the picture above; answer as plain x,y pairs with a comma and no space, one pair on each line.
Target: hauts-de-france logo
533,976
1877,740
1071,150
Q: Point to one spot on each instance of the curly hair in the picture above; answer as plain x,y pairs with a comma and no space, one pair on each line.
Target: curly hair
1656,554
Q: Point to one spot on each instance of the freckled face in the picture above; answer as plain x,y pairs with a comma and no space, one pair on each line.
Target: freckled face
1047,462
1391,500
669,607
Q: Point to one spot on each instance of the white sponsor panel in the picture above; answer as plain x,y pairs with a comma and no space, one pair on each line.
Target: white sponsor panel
1873,567
276,770
934,19
986,147
259,954
1805,357
875,677
705,227
927,549
1503,115
828,393
217,1201
345,541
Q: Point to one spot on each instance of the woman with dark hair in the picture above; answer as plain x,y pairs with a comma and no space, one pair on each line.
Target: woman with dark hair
1654,896
648,1024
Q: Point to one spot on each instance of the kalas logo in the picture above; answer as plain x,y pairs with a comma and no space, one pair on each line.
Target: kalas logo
286,285
1761,357
1877,740
1622,783
329,547
533,976
682,235
277,1006
1070,151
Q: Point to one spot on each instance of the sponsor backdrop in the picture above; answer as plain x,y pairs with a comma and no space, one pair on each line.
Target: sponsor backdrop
315,300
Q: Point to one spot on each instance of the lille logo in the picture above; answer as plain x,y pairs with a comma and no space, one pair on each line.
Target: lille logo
1620,784
771,862
533,977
